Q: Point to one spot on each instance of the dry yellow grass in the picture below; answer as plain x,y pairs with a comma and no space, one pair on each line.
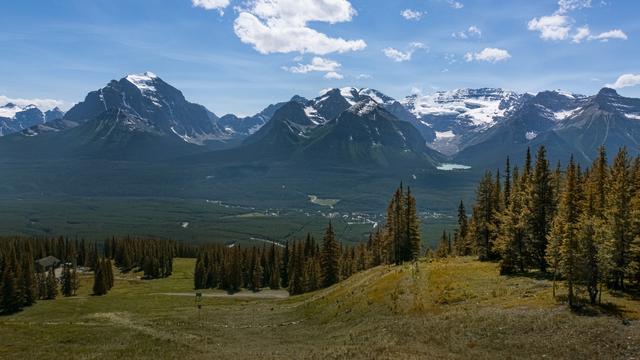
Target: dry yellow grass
449,309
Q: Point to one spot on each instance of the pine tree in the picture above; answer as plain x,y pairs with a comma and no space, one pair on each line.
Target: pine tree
540,209
28,281
9,301
330,258
284,266
413,227
67,289
512,234
99,279
484,218
200,274
634,248
52,285
462,232
618,213
563,252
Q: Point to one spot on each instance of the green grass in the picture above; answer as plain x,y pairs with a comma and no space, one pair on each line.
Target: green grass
452,309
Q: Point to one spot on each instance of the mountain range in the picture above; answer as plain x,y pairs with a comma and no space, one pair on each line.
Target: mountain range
142,118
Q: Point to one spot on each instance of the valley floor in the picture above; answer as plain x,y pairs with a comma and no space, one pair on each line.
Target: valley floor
450,309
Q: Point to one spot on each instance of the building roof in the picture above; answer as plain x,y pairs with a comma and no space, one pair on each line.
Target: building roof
48,261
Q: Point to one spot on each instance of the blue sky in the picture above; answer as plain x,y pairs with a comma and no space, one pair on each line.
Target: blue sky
239,56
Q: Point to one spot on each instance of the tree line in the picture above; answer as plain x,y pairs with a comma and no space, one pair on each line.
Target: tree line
22,281
307,265
582,226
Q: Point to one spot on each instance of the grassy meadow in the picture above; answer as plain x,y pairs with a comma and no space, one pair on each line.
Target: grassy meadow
449,309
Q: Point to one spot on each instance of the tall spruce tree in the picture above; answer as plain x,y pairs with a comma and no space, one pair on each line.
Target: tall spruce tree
413,228
618,213
541,209
461,244
563,252
330,258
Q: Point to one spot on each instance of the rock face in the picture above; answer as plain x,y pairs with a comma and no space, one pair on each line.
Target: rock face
347,126
14,118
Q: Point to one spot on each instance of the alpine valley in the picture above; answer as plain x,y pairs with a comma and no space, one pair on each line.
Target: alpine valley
139,141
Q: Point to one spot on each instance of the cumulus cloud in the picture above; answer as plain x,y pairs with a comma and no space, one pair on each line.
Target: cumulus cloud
412,14
363,76
492,55
400,56
625,80
472,31
559,25
582,33
552,27
282,26
609,35
317,64
455,4
332,75
211,4
42,104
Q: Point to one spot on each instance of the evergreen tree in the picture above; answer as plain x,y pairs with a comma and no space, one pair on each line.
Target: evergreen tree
462,232
413,228
52,285
10,301
330,257
67,289
618,213
99,279
484,218
564,251
541,208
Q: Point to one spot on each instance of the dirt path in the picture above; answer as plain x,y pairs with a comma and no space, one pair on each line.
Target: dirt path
264,294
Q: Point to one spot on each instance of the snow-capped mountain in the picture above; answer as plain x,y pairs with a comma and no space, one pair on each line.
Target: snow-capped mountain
457,115
366,134
564,123
148,97
14,118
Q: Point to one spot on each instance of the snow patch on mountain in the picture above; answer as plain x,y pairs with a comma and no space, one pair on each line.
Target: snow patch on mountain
10,110
146,84
530,135
481,106
364,107
440,135
561,115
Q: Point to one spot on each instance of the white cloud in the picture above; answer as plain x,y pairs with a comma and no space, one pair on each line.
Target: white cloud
558,26
565,6
492,55
455,4
211,4
363,76
582,33
625,81
400,56
317,64
281,26
332,75
611,34
42,104
412,14
553,27
472,31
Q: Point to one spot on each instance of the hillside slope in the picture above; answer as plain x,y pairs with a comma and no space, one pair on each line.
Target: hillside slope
451,309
